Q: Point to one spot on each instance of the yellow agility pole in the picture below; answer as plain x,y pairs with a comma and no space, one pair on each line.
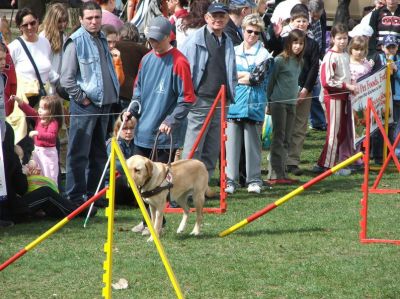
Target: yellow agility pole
291,195
387,106
146,216
107,266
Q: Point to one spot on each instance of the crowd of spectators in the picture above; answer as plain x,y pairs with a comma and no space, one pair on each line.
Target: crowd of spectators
101,79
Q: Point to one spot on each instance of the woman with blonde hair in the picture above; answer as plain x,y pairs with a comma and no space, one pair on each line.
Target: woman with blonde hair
246,114
53,29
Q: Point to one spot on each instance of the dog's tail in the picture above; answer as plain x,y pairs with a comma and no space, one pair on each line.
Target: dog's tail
210,193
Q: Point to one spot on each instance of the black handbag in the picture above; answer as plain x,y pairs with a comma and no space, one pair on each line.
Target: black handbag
42,91
260,72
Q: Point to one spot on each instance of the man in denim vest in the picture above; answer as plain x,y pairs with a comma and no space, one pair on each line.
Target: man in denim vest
88,75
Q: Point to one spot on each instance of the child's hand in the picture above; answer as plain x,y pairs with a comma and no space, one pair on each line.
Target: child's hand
393,66
33,133
353,88
115,53
17,99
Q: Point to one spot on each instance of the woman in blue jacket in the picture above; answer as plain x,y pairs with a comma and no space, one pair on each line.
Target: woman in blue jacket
246,114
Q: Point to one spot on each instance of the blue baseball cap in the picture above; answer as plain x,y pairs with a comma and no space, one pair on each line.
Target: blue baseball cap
241,3
158,29
217,7
390,40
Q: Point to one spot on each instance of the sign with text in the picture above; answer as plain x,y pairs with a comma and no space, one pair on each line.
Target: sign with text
374,87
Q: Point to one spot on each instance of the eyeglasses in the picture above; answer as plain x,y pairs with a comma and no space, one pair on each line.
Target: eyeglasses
32,24
252,31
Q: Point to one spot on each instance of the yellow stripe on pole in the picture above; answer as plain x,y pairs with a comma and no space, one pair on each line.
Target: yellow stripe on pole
347,162
146,216
289,196
234,228
47,234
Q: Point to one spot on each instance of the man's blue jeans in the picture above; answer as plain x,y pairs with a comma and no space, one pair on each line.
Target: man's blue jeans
86,155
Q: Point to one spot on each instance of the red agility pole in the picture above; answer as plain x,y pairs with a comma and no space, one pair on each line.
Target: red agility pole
52,230
291,194
374,189
222,208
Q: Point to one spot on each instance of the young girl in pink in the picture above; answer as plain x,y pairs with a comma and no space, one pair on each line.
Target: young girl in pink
336,83
48,120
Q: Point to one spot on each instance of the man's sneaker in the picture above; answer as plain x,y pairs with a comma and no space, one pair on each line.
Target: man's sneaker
254,188
318,169
230,188
343,172
138,228
294,169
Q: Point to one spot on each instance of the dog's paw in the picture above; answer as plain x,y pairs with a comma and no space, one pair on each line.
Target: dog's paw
179,231
150,239
195,233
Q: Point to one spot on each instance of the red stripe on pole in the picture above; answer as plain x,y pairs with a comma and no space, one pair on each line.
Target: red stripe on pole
261,212
12,259
317,179
87,203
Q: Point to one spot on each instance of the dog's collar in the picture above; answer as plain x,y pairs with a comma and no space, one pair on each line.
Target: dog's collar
159,189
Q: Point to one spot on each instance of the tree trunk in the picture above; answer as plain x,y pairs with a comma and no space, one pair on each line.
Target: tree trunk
342,12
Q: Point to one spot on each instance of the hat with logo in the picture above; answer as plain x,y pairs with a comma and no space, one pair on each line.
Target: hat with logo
158,29
241,4
389,40
217,7
361,30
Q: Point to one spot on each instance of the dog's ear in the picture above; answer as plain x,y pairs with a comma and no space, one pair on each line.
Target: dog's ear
149,167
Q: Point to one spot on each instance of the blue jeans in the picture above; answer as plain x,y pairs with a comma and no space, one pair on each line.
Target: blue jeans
317,115
86,155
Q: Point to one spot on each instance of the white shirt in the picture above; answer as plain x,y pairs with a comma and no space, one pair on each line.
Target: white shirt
40,51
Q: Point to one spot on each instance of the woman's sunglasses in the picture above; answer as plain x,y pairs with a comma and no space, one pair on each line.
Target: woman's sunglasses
252,31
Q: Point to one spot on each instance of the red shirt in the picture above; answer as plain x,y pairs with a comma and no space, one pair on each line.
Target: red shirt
47,133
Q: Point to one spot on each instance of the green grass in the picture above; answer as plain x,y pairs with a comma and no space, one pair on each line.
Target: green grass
307,248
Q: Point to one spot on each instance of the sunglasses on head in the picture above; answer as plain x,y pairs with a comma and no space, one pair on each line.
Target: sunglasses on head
32,24
252,31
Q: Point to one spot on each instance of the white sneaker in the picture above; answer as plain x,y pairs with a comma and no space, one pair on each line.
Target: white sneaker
230,189
343,172
254,188
138,228
146,231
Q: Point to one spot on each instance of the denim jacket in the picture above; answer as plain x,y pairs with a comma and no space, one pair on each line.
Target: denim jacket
196,52
90,78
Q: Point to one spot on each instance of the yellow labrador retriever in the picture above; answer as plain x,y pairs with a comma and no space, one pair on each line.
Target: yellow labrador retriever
189,177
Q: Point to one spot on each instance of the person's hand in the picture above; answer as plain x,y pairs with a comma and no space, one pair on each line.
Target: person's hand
115,53
17,99
33,133
164,128
268,110
302,96
86,102
126,116
278,27
352,88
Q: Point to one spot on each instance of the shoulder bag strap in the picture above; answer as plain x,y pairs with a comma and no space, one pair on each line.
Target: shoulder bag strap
32,61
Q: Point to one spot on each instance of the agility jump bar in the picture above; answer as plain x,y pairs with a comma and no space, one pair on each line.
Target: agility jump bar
290,195
52,230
